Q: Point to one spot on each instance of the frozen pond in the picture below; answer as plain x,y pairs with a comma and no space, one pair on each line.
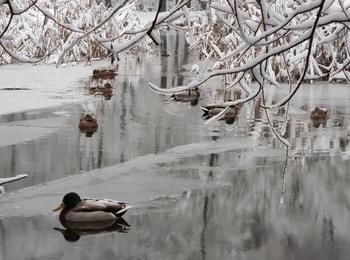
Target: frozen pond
216,191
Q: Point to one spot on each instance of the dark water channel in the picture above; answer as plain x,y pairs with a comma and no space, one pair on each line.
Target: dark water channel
263,204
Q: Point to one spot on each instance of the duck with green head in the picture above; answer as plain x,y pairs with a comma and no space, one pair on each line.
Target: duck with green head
73,208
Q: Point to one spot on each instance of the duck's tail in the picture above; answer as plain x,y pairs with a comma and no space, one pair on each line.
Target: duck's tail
205,115
171,97
205,110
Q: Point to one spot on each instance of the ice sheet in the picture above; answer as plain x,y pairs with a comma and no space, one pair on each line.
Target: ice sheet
48,86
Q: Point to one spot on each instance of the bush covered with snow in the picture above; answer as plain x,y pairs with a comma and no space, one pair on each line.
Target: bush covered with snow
61,30
269,41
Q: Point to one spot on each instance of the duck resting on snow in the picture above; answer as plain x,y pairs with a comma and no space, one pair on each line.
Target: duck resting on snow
75,209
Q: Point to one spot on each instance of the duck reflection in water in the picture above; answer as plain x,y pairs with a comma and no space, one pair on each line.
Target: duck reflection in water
106,90
72,231
191,96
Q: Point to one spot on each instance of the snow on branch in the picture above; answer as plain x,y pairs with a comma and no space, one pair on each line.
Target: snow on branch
12,179
148,29
34,30
289,31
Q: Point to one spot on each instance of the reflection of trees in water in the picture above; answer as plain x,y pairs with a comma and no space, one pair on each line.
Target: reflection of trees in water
133,100
123,123
343,143
3,235
172,57
257,232
203,233
296,187
132,123
249,215
213,157
301,131
283,176
243,219
328,231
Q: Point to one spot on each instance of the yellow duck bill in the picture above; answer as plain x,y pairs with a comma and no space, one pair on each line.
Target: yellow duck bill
61,206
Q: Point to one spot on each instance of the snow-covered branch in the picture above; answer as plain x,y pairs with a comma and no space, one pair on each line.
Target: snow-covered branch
281,35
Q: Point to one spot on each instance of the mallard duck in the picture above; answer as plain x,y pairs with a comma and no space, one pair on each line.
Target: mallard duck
74,209
212,110
88,125
103,73
319,114
191,96
74,230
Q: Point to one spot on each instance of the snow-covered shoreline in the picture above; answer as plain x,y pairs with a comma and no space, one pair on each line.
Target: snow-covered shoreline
48,86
